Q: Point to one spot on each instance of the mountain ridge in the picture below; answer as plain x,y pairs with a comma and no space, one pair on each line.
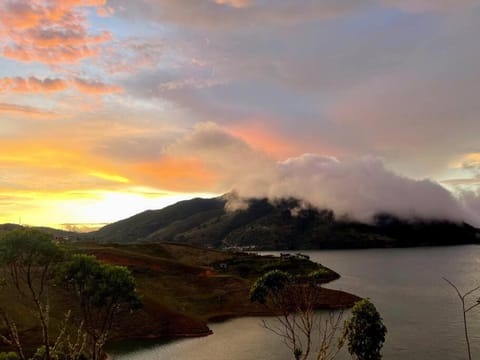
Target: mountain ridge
286,224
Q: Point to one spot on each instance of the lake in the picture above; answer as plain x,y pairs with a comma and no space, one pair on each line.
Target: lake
420,310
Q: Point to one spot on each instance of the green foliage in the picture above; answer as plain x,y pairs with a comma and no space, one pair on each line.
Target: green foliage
28,247
290,265
9,356
320,275
272,282
252,266
99,284
365,331
103,290
39,354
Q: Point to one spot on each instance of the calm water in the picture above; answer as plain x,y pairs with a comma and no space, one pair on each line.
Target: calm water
420,310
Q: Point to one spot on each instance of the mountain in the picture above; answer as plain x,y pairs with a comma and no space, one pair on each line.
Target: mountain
283,225
169,221
57,233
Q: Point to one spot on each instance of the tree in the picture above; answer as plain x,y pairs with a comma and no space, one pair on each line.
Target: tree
465,309
28,258
365,331
307,332
103,290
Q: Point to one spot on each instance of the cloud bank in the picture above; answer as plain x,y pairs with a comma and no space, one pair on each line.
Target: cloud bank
357,188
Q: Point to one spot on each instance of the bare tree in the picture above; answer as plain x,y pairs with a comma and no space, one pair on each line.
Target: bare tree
465,309
28,258
70,344
307,332
12,337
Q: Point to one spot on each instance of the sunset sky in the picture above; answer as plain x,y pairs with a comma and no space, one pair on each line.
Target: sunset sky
111,107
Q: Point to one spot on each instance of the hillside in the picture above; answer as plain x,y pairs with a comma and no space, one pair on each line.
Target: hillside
57,233
182,288
179,217
284,225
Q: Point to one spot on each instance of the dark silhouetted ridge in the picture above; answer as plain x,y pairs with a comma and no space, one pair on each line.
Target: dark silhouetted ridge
283,225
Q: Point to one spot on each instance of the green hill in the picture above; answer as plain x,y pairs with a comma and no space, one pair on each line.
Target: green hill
178,217
283,225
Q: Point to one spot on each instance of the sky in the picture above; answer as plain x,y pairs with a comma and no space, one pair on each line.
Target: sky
111,107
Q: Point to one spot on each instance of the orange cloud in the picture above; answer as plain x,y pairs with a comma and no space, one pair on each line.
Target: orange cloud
110,177
55,163
31,13
470,160
105,11
66,38
57,166
49,165
95,87
20,14
266,140
48,31
38,153
177,174
35,85
235,3
25,110
31,84
61,54
52,176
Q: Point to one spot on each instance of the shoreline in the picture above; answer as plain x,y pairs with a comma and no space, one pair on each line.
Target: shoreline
331,299
184,291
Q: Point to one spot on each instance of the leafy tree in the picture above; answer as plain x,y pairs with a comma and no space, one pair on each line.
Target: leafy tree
307,332
271,285
103,291
28,258
365,331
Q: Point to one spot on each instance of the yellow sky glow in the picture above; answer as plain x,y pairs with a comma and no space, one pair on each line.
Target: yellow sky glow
55,209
